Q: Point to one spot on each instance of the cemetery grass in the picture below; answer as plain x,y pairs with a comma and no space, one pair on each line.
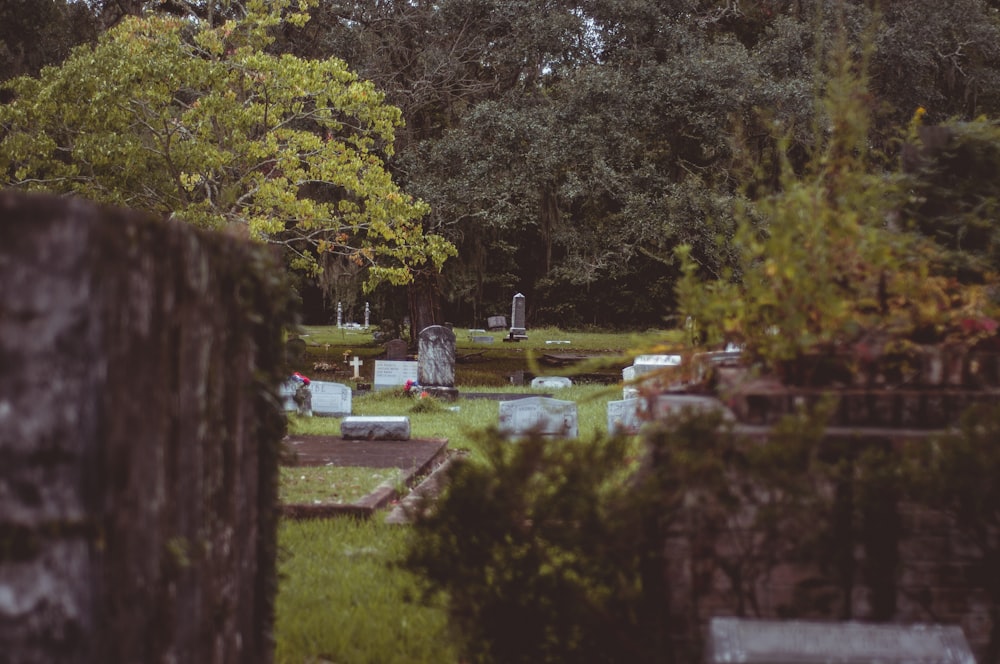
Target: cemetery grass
341,597
486,365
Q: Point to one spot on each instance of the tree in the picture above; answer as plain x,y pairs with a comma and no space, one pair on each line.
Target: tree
827,264
202,123
35,33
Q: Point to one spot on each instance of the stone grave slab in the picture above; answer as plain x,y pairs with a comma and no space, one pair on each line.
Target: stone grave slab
391,374
330,399
539,415
482,339
551,382
748,641
375,427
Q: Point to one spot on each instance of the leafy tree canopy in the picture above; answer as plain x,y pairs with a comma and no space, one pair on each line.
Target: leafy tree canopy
202,123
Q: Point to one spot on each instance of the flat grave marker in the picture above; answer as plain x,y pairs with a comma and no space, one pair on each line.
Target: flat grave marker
375,427
802,642
551,382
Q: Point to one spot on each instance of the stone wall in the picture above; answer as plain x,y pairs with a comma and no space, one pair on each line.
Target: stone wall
139,434
852,545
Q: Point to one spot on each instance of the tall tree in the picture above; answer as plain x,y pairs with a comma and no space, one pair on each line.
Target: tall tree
201,123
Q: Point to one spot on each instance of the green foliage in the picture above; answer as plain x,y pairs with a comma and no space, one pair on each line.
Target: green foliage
203,123
823,266
954,197
536,562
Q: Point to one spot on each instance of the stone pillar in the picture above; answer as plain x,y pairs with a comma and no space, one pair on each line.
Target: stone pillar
139,433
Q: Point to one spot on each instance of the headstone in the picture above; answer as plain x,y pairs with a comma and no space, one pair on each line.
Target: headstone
375,427
482,339
340,315
496,322
436,361
623,417
390,374
368,315
642,365
396,350
540,416
801,642
330,399
649,363
517,318
551,382
356,363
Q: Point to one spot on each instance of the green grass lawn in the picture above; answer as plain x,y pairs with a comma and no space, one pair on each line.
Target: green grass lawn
340,597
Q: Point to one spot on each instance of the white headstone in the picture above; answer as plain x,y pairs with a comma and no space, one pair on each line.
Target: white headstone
648,363
539,415
623,417
551,382
391,374
330,399
356,363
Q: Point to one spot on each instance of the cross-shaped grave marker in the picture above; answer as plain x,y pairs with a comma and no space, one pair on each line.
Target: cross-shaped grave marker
356,363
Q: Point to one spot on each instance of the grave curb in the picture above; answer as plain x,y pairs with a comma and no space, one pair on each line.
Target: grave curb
379,498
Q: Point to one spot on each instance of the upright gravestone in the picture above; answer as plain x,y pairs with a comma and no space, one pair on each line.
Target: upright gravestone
540,416
330,399
368,315
436,362
802,642
390,375
517,319
496,322
340,315
623,417
395,350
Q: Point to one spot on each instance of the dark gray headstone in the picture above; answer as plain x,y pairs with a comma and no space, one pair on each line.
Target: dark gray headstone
517,317
496,322
396,350
436,357
800,642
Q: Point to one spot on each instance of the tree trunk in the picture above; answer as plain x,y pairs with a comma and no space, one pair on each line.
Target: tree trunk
425,303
